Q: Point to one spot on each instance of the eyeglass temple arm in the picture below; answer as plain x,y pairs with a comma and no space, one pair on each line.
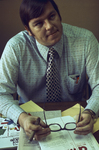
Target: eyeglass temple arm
79,114
45,117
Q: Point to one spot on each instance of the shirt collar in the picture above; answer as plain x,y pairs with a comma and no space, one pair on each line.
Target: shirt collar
44,49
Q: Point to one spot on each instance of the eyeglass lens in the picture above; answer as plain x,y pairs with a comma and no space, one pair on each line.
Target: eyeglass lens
68,126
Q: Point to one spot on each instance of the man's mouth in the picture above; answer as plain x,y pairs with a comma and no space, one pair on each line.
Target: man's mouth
52,33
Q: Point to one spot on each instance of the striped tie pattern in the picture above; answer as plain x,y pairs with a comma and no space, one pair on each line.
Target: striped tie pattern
53,89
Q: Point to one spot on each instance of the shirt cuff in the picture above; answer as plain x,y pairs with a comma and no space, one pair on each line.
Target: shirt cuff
14,112
93,105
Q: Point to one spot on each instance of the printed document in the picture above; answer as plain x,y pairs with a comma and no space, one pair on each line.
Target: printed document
34,145
67,140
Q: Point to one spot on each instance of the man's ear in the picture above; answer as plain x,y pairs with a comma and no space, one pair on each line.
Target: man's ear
28,31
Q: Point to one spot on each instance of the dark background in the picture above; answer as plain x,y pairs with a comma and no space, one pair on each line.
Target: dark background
81,13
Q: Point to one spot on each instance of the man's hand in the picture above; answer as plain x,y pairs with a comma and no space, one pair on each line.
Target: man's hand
85,125
27,122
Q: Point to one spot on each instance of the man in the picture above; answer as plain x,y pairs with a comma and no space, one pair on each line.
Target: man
24,63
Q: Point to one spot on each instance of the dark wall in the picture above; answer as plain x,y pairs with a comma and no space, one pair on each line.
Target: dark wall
10,23
82,13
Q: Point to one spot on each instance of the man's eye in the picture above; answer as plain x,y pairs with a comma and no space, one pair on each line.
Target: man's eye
52,16
38,24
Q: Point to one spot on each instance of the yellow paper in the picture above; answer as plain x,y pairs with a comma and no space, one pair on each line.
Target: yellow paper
96,126
31,107
73,111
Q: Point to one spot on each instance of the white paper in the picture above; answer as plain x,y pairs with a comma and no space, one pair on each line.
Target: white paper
48,114
23,142
67,140
62,140
34,145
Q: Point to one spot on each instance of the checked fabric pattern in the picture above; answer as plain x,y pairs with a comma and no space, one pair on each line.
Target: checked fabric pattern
53,89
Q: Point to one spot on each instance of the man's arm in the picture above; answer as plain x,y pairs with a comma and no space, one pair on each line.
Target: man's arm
8,79
91,111
92,70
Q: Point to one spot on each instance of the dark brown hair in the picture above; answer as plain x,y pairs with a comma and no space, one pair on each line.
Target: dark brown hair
30,9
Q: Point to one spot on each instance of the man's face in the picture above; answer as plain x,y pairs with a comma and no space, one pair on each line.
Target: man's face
47,28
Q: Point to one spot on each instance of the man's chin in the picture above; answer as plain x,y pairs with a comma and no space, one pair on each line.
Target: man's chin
51,43
54,41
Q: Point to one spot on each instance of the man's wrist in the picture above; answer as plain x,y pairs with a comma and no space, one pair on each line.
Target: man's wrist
89,111
21,118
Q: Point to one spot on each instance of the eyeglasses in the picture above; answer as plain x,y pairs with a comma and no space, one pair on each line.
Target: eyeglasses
55,127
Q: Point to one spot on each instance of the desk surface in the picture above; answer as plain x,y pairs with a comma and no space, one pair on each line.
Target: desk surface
62,106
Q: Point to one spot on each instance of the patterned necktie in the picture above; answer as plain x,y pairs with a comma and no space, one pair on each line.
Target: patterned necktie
53,89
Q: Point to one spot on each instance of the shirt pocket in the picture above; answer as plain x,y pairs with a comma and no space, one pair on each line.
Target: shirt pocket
74,84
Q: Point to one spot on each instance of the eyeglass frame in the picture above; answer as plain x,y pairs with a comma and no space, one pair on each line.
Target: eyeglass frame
59,124
61,127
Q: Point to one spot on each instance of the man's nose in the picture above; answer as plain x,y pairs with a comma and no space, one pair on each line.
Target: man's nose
48,25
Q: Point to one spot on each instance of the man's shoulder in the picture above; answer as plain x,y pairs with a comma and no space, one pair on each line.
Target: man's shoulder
20,38
74,31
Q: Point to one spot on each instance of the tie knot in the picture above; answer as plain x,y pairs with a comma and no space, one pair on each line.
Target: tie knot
52,53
